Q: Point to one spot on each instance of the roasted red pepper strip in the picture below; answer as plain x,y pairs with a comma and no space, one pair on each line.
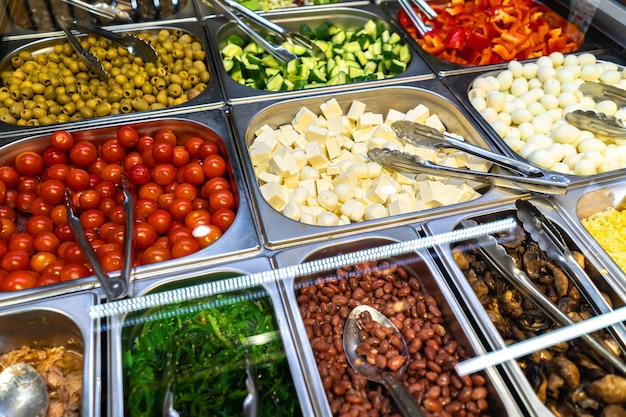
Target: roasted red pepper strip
497,30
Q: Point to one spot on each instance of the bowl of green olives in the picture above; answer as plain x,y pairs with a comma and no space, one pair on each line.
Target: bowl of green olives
45,83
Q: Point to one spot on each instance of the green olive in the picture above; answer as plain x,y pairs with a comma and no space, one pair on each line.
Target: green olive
16,108
63,99
26,114
39,113
62,118
46,120
54,109
157,106
86,112
114,96
69,108
126,106
104,109
149,98
32,122
139,104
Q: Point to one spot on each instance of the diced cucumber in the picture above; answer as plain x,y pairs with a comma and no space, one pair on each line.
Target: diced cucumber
370,67
269,61
252,71
317,76
308,61
271,71
235,71
397,66
228,64
287,85
291,67
253,48
405,53
339,38
355,72
254,60
231,50
394,38
306,30
275,82
370,28
323,32
235,40
360,56
352,47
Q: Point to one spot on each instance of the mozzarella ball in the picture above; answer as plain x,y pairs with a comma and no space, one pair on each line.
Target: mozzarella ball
545,73
483,84
607,107
495,100
489,114
293,210
544,61
611,76
609,165
327,218
344,192
552,87
308,218
479,103
561,168
527,149
591,144
516,68
476,92
587,103
530,70
557,59
309,173
520,116
526,130
566,133
570,59
567,98
514,143
586,58
590,72
519,86
353,209
542,141
542,158
536,108
564,75
505,118
557,151
328,200
535,83
300,195
376,211
549,101
506,79
501,128
572,160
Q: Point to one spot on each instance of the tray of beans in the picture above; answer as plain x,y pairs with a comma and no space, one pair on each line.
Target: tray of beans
358,44
584,374
45,83
31,18
314,180
214,355
467,35
56,345
185,185
410,291
598,215
546,112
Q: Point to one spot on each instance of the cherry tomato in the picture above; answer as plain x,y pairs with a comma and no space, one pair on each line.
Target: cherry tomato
97,166
145,206
200,204
112,173
40,207
207,234
8,228
164,174
89,199
54,268
92,219
177,231
214,166
58,214
3,192
127,136
161,220
9,176
208,148
39,223
47,279
28,183
22,241
155,254
15,260
184,245
64,232
4,248
29,163
150,190
162,151
19,280
144,143
165,200
197,218
180,156
112,261
83,153
165,135
139,174
112,151
179,208
223,218
193,174
74,270
144,235
77,179
53,156
116,215
132,158
193,145
40,261
221,199
107,229
62,140
106,189
52,191
46,242
24,201
72,252
214,184
186,191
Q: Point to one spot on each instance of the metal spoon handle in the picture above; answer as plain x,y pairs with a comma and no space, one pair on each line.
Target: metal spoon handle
402,397
257,18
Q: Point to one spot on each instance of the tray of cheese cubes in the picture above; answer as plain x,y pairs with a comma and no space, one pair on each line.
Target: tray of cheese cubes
308,168
537,111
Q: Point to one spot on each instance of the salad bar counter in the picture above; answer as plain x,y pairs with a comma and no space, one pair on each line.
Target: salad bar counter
277,208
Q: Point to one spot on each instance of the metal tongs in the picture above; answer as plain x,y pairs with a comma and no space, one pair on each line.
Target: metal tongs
114,287
600,123
93,64
236,12
497,256
117,12
421,26
525,176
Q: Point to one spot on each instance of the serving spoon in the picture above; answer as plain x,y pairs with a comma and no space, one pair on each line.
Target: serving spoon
23,392
391,380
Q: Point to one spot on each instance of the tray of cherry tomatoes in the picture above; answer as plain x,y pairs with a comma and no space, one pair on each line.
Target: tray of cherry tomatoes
189,201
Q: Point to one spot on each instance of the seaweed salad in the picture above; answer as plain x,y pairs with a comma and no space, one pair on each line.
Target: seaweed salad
204,349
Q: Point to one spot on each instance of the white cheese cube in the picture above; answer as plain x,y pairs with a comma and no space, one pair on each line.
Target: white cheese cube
369,119
377,142
333,147
303,118
432,193
331,108
315,155
300,141
275,194
374,169
418,114
435,122
393,115
316,133
402,206
263,129
385,132
291,181
381,189
429,154
268,138
349,177
300,194
363,135
323,185
299,158
335,125
293,210
267,177
309,185
287,135
477,164
402,178
360,169
333,169
357,108
260,155
283,165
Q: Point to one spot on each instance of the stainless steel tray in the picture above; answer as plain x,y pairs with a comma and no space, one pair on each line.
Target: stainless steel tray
220,29
240,238
460,86
593,41
35,19
210,98
474,308
421,265
248,118
121,326
582,203
59,321
207,10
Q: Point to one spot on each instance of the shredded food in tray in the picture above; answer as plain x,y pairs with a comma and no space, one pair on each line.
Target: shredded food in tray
608,227
61,370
